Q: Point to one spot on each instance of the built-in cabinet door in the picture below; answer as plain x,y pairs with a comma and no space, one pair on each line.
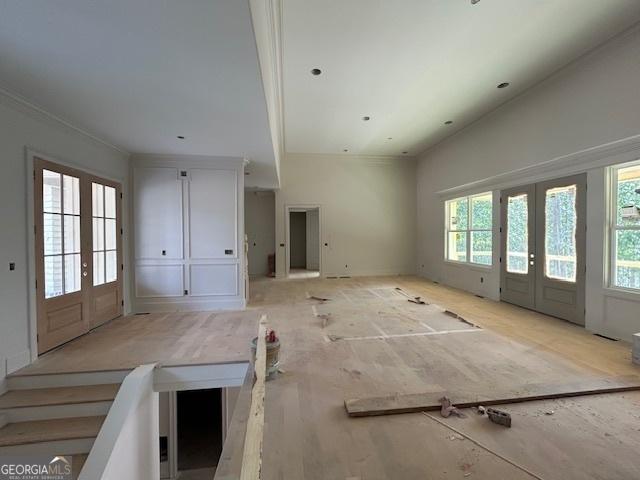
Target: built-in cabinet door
68,301
517,259
543,231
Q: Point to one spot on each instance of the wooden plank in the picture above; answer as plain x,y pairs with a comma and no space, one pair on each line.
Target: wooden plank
430,401
252,455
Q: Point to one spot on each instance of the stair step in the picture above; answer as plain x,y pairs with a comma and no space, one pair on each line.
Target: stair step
40,397
23,433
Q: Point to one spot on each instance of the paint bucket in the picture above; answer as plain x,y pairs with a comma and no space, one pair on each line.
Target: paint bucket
273,354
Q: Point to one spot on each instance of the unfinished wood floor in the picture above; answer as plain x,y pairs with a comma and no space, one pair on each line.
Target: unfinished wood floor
369,341
181,338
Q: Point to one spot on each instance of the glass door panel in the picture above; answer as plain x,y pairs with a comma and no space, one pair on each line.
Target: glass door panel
517,234
560,233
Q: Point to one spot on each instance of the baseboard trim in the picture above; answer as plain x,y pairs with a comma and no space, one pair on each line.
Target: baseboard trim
172,305
18,361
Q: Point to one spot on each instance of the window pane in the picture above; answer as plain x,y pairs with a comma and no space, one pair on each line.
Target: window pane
71,195
560,233
97,196
481,208
52,276
481,248
517,234
112,266
458,214
109,202
110,234
627,274
98,234
457,249
628,202
71,273
71,234
50,191
98,268
52,233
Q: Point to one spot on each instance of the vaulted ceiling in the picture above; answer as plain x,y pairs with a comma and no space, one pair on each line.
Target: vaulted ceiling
412,65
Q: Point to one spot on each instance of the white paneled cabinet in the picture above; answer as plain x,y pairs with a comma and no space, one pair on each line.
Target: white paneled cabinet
213,195
188,223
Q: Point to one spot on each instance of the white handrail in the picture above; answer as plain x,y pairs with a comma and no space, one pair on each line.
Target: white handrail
127,446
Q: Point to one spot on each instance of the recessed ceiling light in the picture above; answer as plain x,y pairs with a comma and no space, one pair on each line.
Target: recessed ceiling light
316,71
448,122
181,137
345,150
366,118
473,2
404,153
389,138
247,173
503,85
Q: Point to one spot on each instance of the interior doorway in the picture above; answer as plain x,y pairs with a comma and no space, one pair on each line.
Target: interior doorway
200,432
543,258
78,252
303,246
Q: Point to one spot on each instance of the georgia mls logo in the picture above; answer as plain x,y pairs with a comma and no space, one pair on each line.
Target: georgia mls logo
36,468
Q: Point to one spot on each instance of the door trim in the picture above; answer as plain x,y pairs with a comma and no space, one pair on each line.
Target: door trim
32,311
301,207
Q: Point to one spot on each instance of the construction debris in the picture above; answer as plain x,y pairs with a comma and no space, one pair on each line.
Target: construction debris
499,417
319,299
481,410
448,409
325,318
416,300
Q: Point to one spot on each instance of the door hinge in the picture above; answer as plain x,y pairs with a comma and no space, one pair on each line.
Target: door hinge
122,231
500,229
500,259
122,267
34,175
121,195
122,303
36,284
37,338
500,199
500,289
186,292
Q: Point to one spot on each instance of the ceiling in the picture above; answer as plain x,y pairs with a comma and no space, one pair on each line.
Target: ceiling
412,65
138,73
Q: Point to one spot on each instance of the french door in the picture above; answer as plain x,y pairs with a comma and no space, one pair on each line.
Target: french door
542,263
78,252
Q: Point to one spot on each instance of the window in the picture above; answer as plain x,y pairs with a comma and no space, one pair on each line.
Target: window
469,229
625,227
561,220
518,234
105,254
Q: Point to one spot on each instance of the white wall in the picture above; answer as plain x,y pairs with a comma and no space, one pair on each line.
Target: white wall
313,240
188,233
582,118
260,227
367,216
23,127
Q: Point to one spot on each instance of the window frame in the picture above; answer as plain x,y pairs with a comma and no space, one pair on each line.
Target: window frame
613,228
468,231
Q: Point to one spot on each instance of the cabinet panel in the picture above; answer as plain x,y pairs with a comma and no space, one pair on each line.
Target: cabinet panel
214,279
213,213
158,213
159,281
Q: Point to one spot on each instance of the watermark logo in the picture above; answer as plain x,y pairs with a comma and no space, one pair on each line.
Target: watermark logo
35,467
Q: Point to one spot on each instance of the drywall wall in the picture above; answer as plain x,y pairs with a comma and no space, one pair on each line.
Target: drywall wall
313,239
188,225
298,239
260,227
367,211
584,117
23,128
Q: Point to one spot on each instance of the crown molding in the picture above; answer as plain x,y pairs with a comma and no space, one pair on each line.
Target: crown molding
20,103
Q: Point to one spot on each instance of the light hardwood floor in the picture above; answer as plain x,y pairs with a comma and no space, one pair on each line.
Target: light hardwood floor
375,343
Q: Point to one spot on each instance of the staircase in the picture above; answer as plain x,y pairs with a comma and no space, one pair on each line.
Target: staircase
58,414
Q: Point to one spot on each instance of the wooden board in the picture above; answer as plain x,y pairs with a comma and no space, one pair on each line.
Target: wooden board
423,402
252,455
